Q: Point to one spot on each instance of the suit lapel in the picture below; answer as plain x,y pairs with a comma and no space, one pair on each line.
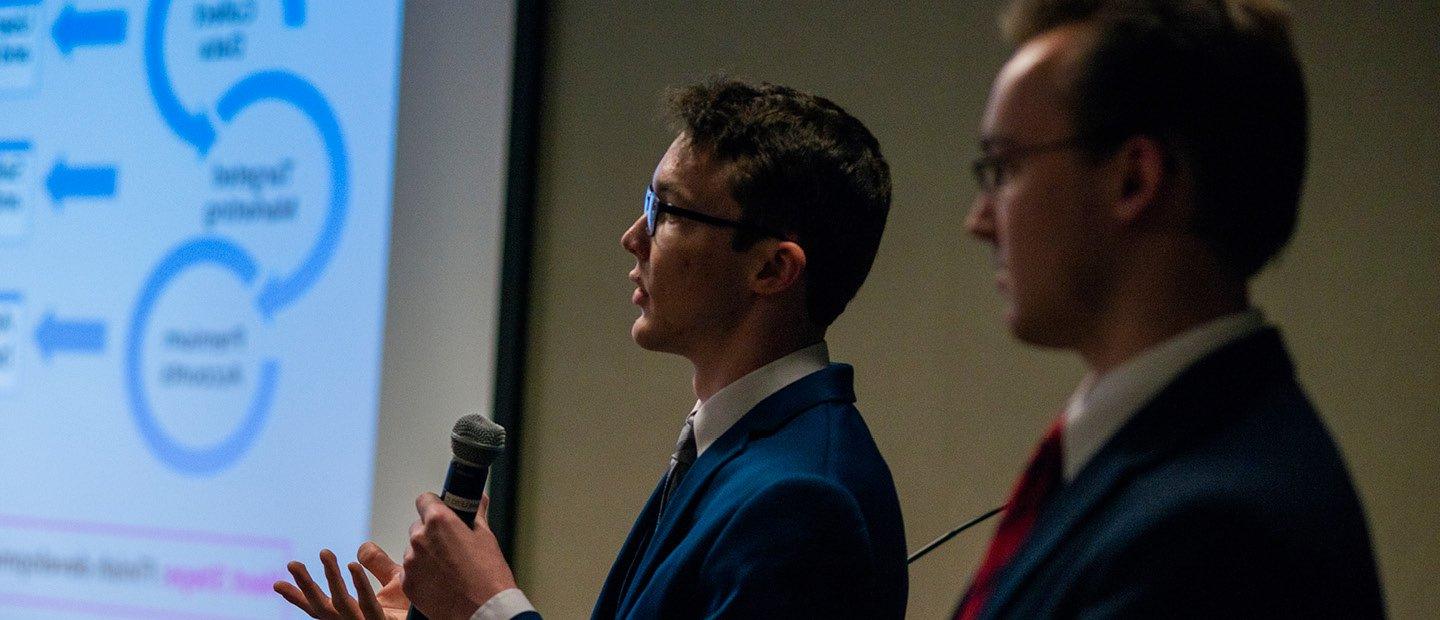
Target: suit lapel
1194,404
832,383
682,502
1060,515
622,572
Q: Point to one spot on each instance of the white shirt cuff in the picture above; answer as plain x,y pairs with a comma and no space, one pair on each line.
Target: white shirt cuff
504,606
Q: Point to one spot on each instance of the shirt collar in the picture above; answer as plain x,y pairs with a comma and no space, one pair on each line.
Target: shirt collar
1101,405
724,408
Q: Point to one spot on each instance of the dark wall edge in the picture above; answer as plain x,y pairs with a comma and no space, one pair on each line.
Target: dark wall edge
514,298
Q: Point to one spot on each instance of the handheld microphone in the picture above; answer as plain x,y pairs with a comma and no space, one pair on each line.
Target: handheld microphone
475,442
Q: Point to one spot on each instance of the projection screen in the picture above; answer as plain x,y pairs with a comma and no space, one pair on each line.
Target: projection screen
215,216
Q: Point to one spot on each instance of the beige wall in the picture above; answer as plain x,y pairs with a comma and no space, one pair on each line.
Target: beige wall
954,403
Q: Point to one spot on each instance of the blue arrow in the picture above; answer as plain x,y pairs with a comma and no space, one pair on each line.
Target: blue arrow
192,128
281,291
186,458
54,336
75,28
80,182
294,12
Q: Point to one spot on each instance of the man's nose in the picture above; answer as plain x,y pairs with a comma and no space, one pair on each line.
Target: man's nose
980,222
634,239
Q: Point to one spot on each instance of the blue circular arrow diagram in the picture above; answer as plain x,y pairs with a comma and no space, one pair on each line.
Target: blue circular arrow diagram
192,127
280,291
186,459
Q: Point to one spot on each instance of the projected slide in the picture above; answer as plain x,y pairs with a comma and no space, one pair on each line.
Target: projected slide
194,221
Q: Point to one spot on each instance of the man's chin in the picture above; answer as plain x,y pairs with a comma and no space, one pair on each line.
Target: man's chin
649,337
644,335
1029,330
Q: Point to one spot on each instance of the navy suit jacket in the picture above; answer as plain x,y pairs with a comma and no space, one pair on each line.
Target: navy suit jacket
792,513
1223,497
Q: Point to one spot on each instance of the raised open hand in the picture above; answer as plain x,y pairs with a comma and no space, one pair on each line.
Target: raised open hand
387,604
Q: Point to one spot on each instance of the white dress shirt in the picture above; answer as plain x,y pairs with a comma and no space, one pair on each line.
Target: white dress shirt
713,417
1103,404
724,408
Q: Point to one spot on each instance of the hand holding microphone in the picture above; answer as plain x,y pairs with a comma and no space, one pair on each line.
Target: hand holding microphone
450,569
454,563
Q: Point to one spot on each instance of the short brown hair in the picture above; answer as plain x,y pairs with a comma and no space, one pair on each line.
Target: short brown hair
1218,83
801,165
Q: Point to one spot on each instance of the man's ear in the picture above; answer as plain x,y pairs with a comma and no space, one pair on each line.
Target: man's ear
783,269
1141,162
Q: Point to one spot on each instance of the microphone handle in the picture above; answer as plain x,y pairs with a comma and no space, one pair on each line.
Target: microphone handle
464,486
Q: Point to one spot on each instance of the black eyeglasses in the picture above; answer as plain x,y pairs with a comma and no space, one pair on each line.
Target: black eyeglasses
654,207
990,170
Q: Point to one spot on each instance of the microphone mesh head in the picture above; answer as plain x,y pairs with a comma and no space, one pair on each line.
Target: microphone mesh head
477,440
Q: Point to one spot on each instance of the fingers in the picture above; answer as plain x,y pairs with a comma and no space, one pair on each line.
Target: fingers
434,513
484,513
375,560
295,597
317,603
307,595
426,503
392,594
339,595
368,603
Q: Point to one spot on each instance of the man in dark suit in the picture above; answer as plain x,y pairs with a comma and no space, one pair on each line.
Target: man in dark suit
760,223
1142,160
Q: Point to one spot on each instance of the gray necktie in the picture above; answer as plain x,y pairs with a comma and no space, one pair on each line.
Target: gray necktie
680,461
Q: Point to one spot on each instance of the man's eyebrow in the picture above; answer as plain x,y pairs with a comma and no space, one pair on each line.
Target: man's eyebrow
668,192
990,143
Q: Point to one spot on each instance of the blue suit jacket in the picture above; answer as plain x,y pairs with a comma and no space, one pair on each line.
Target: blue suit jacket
1223,497
791,513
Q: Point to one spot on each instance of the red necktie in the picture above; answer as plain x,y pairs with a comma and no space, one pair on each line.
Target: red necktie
1043,477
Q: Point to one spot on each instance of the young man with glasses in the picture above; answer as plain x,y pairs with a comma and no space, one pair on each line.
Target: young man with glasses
759,225
1142,161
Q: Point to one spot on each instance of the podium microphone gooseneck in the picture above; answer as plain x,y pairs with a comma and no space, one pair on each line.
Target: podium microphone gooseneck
920,553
